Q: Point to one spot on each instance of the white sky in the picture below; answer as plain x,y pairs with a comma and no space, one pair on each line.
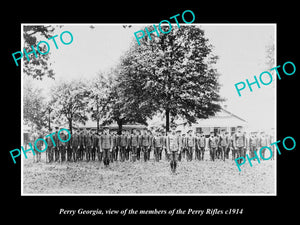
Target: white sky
241,48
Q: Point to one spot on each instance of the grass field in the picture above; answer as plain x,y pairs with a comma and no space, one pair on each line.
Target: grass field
195,177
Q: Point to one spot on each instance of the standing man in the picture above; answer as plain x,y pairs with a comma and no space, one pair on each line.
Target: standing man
56,148
50,147
88,144
145,144
263,141
114,147
179,142
172,148
253,144
202,145
184,147
223,143
62,146
190,143
95,140
197,146
75,144
239,140
37,135
232,147
123,145
213,144
128,147
165,137
228,146
157,143
105,145
134,142
99,153
81,139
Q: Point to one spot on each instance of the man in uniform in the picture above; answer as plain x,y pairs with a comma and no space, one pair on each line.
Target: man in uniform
232,147
74,144
105,145
82,141
213,144
179,141
39,145
228,146
253,144
197,146
165,137
202,145
172,148
62,146
190,143
56,148
114,146
223,143
134,142
184,146
89,144
69,150
145,144
50,147
99,153
239,141
157,143
95,144
263,141
123,145
128,147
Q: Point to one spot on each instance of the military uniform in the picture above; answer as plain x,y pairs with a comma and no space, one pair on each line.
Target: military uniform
145,146
173,148
134,142
123,146
223,144
75,145
50,149
263,141
39,145
105,146
89,145
82,141
184,147
190,144
253,144
128,147
157,143
239,141
213,145
95,146
57,147
197,147
202,144
62,147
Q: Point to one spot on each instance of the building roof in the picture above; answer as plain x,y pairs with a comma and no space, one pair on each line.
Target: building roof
223,118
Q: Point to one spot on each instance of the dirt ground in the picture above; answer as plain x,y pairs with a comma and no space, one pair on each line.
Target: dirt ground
195,177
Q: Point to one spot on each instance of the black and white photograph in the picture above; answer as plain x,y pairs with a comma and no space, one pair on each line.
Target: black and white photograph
148,109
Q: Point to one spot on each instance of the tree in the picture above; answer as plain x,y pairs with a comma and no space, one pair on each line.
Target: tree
118,107
173,73
33,106
40,66
70,100
99,89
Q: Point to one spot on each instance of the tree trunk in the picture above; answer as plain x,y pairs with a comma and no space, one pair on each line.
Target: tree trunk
98,128
167,120
120,124
70,125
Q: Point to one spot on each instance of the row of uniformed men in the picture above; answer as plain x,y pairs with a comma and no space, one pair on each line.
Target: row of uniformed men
109,145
